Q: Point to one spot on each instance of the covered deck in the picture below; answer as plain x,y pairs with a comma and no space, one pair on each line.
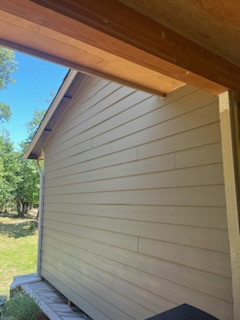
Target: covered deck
143,44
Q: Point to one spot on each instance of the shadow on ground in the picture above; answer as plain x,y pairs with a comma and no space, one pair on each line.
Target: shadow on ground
14,215
18,229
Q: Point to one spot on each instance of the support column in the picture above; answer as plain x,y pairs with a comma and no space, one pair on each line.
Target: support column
229,108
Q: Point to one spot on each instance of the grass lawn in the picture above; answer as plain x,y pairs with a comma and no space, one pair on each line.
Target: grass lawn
18,248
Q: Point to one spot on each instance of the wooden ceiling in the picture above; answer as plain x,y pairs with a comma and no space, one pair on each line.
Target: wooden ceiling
138,43
213,24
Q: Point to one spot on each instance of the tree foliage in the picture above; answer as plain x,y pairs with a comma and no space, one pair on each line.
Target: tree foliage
8,65
8,170
27,189
33,124
7,156
5,112
19,178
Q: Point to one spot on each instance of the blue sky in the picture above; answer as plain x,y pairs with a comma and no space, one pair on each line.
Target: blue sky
35,80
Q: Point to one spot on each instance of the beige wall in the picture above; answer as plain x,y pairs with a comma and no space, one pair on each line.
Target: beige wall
134,220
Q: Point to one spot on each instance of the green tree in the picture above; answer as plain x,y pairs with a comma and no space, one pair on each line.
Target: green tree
8,177
8,159
19,179
5,112
33,124
27,191
8,65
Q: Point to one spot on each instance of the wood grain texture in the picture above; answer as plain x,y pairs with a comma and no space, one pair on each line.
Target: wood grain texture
52,302
212,24
141,215
229,115
27,33
139,39
117,42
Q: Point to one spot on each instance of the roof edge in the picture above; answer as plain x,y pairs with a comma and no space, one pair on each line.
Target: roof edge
52,108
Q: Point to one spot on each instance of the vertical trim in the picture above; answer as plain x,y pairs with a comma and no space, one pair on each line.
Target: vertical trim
40,218
229,119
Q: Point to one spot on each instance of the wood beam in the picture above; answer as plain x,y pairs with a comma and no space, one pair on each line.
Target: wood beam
229,103
122,32
29,37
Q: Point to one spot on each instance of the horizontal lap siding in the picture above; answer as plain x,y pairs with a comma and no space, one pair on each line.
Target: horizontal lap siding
134,220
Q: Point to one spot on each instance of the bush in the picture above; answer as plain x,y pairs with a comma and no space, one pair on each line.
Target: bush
20,307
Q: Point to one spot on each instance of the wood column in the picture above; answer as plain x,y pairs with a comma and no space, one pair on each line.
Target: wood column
229,107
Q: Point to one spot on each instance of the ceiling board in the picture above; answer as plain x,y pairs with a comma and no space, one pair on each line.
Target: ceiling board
214,24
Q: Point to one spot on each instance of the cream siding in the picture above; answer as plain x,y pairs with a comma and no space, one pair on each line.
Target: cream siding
134,220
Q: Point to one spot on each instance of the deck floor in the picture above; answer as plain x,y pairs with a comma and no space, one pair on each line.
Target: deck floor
51,301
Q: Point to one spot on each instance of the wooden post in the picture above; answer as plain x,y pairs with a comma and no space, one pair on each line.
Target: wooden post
229,106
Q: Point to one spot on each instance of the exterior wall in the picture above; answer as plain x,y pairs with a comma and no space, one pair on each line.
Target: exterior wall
134,220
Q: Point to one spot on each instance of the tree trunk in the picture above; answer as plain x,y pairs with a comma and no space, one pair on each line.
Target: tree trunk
19,208
22,207
21,214
25,208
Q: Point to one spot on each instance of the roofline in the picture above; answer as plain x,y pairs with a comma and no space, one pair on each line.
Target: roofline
55,103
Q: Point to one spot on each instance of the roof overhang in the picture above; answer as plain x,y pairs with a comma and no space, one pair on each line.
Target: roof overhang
121,42
112,40
59,104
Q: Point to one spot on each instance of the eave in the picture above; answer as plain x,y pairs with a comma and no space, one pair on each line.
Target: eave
109,39
53,114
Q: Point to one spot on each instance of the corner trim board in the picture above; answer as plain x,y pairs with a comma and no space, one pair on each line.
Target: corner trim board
229,103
